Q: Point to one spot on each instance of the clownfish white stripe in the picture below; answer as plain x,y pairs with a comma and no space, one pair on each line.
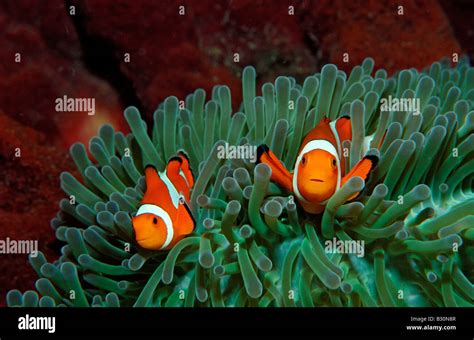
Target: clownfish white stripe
317,144
174,194
332,125
161,213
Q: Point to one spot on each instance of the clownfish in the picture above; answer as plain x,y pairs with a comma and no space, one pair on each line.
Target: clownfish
317,174
164,217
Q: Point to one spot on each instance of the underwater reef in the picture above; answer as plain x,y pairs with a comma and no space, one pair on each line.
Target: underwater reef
253,244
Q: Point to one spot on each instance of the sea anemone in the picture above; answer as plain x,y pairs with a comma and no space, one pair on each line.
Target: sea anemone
253,245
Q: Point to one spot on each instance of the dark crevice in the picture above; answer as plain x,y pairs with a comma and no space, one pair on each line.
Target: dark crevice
311,40
100,59
56,246
459,14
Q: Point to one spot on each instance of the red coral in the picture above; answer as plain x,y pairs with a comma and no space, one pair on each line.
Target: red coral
30,194
373,28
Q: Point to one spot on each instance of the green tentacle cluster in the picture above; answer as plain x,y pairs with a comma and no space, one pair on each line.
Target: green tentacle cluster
253,244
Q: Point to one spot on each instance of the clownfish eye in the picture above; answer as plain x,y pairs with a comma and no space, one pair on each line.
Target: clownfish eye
333,162
155,221
303,160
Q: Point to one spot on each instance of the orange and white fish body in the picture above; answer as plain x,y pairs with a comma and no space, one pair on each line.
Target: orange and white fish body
164,217
318,170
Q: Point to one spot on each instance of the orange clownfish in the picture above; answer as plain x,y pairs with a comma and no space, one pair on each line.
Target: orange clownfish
164,217
318,168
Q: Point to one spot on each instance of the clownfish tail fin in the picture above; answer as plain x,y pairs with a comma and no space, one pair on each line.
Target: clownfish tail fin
280,174
362,169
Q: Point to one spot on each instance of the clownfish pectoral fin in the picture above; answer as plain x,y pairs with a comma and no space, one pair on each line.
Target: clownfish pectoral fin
344,128
362,169
280,174
185,220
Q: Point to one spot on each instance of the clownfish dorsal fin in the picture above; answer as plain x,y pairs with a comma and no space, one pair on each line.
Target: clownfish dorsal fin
362,169
155,188
280,174
152,179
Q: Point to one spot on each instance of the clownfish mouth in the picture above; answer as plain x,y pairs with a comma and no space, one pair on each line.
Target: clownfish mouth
142,239
316,180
